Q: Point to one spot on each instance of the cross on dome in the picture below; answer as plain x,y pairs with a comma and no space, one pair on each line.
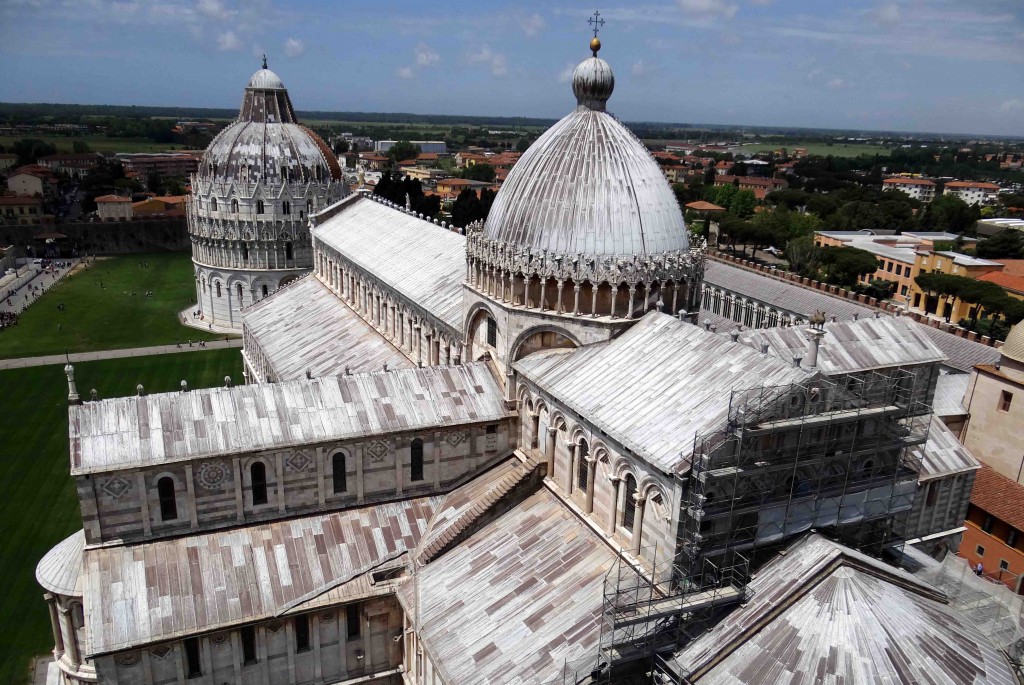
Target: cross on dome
596,22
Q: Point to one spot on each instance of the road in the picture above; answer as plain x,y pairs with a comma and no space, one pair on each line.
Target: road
181,348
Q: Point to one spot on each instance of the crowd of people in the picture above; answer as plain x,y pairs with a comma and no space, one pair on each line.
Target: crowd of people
8,319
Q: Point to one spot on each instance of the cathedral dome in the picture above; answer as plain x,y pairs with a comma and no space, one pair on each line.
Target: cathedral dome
266,142
588,186
1013,348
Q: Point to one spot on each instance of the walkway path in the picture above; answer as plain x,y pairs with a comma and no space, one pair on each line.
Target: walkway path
119,354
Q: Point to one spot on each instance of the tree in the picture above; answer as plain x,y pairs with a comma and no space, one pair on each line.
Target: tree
403,150
80,147
951,214
341,147
804,256
522,145
466,208
29,150
1008,244
844,265
479,172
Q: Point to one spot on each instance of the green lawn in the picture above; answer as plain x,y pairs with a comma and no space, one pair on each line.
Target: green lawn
39,508
110,317
836,149
96,143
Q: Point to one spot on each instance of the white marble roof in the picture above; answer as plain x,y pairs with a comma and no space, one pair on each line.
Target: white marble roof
60,569
421,261
852,346
136,431
306,327
949,394
824,613
657,386
942,454
515,600
156,591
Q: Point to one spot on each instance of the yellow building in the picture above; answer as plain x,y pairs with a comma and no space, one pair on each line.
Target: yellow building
947,263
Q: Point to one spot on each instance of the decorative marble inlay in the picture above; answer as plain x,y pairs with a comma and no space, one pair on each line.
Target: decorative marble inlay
219,639
327,617
274,626
456,438
129,659
213,475
116,486
160,652
300,461
378,449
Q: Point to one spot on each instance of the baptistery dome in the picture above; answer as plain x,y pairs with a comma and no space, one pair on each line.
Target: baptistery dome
257,185
587,186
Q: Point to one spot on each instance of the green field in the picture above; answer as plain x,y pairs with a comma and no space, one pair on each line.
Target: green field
39,507
110,317
96,143
818,148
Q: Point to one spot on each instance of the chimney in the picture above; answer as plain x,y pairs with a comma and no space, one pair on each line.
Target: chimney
764,348
227,381
816,335
735,335
796,360
707,324
184,386
140,390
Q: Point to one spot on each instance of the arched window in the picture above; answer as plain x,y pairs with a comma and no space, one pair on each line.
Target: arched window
338,468
204,285
309,206
258,481
286,207
264,291
259,206
245,251
581,465
629,504
213,203
218,288
417,460
238,292
288,251
492,332
234,206
168,505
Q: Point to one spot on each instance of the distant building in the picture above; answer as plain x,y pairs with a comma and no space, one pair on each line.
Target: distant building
7,161
114,208
918,188
170,164
952,263
760,186
438,146
994,535
30,180
172,205
21,209
972,192
994,400
76,165
373,162
989,227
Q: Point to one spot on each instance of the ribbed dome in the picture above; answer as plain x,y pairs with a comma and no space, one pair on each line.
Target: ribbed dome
1014,345
266,79
588,186
267,142
593,83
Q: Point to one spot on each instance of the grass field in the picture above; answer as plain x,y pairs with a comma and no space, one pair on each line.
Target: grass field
96,143
815,148
110,317
39,507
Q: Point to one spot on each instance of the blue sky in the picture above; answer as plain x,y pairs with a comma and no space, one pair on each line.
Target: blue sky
916,65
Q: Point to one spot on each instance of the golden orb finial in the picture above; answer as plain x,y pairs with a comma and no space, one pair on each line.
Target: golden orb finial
595,45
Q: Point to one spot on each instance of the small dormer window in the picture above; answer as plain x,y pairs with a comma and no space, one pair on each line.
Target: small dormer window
213,204
286,207
259,206
234,206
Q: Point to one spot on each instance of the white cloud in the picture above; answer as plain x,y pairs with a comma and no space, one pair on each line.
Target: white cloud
1011,106
565,75
532,24
835,83
214,9
426,56
708,9
497,62
405,72
228,41
888,14
640,68
293,47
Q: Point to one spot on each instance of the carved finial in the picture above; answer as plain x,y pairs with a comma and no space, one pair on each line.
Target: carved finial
265,58
596,22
